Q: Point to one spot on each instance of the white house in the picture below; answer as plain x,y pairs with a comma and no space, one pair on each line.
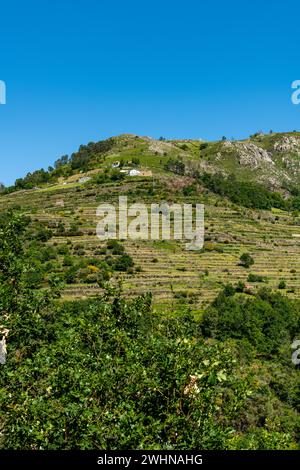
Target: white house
134,172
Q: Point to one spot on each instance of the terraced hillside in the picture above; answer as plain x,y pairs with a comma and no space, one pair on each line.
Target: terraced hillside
165,171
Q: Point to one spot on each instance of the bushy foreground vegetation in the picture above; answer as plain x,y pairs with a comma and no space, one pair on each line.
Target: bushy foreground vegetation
108,373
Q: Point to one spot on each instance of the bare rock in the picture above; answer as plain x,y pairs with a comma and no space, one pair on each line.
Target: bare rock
287,144
252,155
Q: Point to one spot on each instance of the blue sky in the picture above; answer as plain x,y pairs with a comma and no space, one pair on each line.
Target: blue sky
79,70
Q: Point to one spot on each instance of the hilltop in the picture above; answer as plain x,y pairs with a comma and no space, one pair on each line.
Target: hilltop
272,160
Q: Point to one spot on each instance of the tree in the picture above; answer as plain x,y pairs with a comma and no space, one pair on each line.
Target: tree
123,263
246,260
267,321
135,161
21,304
61,161
116,175
175,165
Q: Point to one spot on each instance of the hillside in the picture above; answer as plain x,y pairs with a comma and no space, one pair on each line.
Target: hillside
142,344
173,171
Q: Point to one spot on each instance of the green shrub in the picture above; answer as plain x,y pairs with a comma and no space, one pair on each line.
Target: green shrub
255,278
267,321
246,260
123,263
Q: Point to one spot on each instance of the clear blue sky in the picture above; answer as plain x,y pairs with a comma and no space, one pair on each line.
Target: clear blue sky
84,70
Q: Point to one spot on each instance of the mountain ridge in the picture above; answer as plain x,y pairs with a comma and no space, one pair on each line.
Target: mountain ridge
270,159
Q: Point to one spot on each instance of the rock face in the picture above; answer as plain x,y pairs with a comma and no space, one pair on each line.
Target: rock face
160,147
252,155
288,149
249,154
272,160
287,144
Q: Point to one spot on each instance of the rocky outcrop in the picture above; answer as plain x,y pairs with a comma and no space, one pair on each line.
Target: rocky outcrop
160,147
287,144
249,154
252,155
